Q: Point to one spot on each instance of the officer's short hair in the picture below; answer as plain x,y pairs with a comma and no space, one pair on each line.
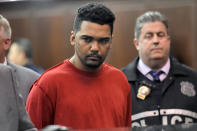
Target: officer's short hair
150,16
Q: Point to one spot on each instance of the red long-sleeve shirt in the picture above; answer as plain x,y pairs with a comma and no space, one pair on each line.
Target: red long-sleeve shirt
67,96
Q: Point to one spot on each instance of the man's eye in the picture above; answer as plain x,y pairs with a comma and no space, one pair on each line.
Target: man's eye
161,34
148,36
104,41
87,39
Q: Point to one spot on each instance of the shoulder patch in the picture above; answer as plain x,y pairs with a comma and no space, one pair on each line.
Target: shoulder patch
187,88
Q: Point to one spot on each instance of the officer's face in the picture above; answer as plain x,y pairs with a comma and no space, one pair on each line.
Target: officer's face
92,43
154,44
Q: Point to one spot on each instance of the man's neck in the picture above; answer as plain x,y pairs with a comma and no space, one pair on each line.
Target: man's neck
144,68
156,65
76,62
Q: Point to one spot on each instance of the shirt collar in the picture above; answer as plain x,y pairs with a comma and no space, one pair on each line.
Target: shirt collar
166,67
5,61
144,69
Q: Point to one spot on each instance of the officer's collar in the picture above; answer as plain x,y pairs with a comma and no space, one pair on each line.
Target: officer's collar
131,70
178,67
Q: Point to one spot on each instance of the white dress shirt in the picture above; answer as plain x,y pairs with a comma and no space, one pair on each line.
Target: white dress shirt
144,69
5,61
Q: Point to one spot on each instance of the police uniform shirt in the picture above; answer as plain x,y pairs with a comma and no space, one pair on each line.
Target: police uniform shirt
172,101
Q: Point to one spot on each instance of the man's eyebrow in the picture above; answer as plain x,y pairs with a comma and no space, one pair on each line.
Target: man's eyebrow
149,32
83,36
161,32
86,36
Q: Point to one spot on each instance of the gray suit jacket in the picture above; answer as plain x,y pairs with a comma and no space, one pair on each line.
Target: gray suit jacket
24,79
13,116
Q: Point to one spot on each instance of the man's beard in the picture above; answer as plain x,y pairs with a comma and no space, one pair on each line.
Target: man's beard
89,64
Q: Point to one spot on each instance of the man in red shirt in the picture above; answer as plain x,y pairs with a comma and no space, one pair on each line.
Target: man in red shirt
83,92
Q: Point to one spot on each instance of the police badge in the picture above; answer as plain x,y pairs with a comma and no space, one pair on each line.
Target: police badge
143,91
187,88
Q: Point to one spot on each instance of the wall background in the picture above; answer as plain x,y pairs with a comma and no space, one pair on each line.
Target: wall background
48,24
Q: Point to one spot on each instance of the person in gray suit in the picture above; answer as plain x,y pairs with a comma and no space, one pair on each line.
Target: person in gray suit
13,116
24,77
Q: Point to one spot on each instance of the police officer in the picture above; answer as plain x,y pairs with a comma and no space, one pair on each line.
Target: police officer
163,90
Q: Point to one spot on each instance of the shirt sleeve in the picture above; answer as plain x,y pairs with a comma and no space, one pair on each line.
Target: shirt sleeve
39,107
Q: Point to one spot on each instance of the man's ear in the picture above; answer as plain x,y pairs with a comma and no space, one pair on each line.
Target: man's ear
169,39
111,41
7,44
72,38
136,43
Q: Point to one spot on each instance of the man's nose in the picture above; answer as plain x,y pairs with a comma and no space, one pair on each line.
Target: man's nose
155,40
94,46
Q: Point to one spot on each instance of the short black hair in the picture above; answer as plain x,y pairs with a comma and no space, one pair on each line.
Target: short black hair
94,12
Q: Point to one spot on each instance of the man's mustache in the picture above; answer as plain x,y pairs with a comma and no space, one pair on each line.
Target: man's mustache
94,54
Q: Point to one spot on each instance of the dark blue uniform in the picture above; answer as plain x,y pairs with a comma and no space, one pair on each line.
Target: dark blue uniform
173,101
33,67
